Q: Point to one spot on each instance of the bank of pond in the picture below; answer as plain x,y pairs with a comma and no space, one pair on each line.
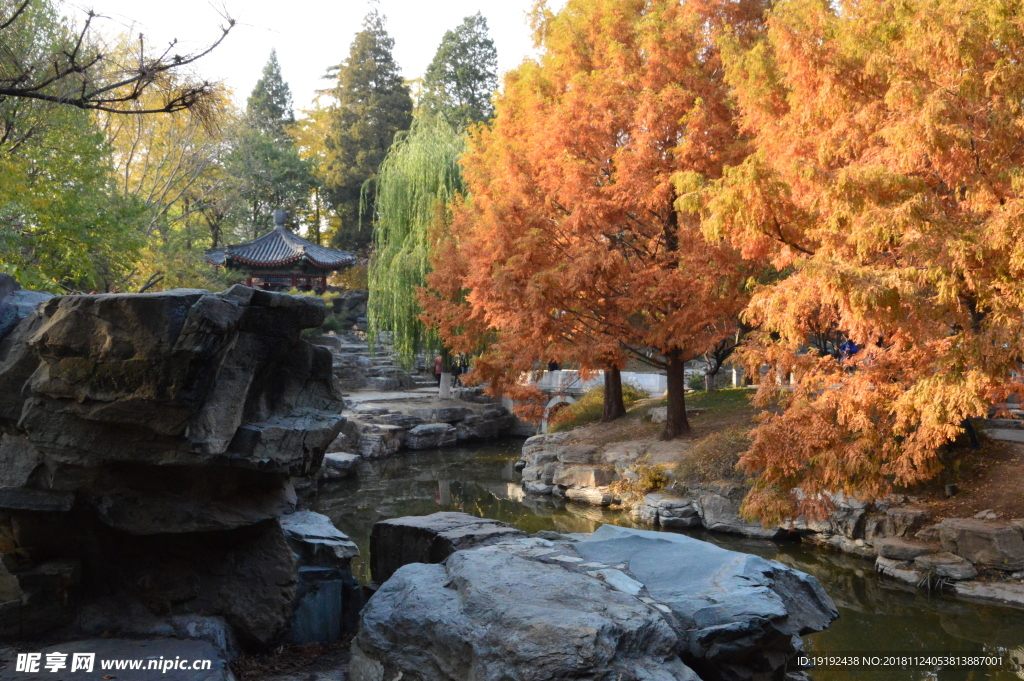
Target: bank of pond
877,615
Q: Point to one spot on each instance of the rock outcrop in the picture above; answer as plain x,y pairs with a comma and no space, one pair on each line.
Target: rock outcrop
430,539
617,604
147,449
987,543
357,368
374,431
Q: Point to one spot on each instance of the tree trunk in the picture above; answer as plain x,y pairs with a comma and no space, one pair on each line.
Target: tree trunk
444,390
614,407
709,380
676,424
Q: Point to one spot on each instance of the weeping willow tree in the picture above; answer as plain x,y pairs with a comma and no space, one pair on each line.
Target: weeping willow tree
416,182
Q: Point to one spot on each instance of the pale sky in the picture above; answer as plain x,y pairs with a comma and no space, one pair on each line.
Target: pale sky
309,35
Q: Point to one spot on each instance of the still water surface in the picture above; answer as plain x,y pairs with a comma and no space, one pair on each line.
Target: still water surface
876,614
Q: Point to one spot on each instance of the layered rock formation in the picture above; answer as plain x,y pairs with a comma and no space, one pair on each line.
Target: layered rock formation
357,368
373,431
147,451
430,539
617,604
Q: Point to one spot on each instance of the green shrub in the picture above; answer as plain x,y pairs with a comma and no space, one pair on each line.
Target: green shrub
590,407
695,382
714,458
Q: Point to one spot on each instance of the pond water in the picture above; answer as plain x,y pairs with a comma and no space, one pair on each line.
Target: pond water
876,614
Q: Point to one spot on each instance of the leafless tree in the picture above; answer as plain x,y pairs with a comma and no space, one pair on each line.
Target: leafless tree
79,73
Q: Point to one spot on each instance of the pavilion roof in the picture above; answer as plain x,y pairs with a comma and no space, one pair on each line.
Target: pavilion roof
279,247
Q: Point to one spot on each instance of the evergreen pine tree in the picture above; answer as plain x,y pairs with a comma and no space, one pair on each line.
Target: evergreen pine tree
373,103
270,104
463,76
266,169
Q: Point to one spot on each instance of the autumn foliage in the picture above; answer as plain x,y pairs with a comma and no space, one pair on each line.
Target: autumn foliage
826,171
886,182
569,246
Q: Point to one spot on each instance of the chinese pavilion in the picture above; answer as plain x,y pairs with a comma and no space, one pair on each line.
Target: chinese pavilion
281,259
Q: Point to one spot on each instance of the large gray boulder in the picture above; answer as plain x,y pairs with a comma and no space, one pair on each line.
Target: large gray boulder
490,424
738,615
491,614
667,511
617,604
429,539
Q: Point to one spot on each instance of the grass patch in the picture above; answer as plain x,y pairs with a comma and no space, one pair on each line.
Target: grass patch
590,407
714,457
723,400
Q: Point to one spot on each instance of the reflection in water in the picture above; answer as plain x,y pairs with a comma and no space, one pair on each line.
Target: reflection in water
877,614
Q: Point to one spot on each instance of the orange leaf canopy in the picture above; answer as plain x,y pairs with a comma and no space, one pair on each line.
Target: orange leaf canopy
887,176
570,246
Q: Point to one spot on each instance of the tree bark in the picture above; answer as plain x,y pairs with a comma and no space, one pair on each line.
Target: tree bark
709,380
676,423
614,407
444,388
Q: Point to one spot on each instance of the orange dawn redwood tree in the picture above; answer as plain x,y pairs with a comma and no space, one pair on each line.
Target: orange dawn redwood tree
886,179
569,245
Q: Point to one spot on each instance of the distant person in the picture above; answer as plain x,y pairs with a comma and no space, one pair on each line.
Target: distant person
848,349
438,367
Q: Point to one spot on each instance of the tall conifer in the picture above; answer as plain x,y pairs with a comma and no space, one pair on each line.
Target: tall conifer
463,76
373,103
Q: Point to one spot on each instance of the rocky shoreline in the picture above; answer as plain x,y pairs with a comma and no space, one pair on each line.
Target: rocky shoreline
979,559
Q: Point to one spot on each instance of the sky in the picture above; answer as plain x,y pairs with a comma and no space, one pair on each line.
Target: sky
309,35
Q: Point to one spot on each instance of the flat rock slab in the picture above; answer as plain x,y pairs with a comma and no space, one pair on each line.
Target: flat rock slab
143,653
902,549
429,539
339,465
431,436
1006,434
316,540
898,569
734,609
945,564
998,592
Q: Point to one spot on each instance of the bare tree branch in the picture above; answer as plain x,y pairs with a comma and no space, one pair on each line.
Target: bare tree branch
84,76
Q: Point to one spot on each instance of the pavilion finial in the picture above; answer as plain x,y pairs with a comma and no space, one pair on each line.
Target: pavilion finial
280,216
